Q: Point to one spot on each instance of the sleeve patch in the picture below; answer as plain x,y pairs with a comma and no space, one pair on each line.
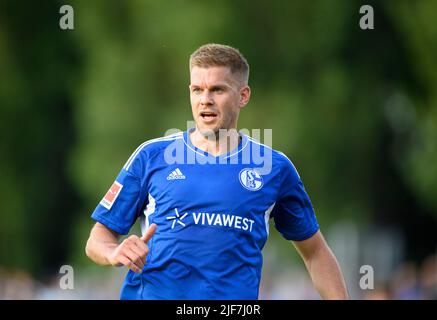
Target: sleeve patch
112,194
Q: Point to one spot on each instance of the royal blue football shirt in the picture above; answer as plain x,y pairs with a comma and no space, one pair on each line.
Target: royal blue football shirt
211,213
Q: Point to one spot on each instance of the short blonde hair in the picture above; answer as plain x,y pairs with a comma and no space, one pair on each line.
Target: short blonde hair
213,54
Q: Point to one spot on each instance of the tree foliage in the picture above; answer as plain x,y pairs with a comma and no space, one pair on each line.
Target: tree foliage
355,110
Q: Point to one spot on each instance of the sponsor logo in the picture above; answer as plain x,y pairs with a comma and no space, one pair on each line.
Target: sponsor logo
112,194
212,219
177,219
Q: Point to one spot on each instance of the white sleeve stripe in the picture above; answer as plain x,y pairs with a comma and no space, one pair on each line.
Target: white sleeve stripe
267,217
279,152
254,141
285,156
138,150
132,158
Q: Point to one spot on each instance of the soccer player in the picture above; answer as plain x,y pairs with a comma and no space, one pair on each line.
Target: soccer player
205,201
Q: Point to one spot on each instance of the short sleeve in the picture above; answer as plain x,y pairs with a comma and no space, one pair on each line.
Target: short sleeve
293,213
122,204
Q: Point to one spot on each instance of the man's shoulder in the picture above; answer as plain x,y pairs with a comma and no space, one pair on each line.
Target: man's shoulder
157,144
277,156
153,146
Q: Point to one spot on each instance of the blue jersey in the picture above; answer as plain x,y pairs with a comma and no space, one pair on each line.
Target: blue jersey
212,215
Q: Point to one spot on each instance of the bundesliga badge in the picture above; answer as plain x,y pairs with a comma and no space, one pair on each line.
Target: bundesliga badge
112,194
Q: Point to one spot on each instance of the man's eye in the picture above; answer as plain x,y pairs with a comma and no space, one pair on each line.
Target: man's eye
218,90
196,90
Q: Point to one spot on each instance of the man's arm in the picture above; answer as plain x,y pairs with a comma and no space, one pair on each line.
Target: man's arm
322,266
103,248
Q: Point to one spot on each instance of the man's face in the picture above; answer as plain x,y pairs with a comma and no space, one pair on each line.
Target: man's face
216,98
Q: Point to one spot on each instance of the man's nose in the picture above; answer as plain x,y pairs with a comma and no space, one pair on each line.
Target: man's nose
206,98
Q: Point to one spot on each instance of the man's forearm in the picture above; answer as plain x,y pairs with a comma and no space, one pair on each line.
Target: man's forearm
326,275
101,244
100,251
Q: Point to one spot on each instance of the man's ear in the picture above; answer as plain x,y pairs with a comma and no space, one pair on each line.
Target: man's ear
244,96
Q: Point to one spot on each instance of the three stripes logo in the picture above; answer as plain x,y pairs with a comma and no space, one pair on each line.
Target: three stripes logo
176,175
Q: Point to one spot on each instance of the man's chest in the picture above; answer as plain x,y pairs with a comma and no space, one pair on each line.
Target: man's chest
236,188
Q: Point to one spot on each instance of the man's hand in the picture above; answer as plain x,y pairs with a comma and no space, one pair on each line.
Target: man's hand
132,251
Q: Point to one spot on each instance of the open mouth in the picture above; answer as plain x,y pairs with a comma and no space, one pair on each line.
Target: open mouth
208,115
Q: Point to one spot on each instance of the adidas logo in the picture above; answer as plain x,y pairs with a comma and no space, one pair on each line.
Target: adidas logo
176,174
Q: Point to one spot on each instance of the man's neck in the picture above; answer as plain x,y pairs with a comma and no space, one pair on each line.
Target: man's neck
220,143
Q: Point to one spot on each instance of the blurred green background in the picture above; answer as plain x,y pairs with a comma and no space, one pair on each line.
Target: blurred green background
355,110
